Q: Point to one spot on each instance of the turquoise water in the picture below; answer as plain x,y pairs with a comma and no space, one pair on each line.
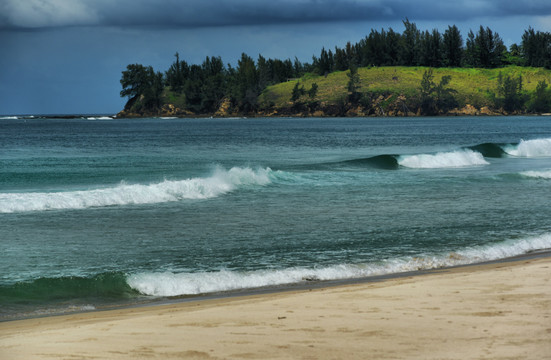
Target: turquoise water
98,212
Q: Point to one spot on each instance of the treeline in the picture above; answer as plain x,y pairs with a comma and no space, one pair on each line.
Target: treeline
483,49
201,88
204,86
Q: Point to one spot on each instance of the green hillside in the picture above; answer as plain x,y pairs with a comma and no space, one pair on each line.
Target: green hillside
475,87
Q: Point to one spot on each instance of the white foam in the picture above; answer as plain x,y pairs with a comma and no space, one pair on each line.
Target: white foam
453,159
530,148
220,182
8,118
99,118
174,284
537,174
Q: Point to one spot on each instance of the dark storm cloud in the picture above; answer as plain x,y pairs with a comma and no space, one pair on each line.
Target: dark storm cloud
202,13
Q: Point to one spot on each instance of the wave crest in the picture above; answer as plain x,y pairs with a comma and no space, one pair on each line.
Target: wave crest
453,159
221,182
530,148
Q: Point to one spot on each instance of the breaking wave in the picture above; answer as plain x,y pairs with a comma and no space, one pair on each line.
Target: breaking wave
110,285
76,293
453,159
221,182
179,284
387,162
469,156
530,148
489,150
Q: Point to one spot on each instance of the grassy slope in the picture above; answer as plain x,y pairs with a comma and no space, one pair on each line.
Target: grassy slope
472,85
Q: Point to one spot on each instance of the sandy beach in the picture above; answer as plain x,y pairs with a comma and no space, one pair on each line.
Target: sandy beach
493,311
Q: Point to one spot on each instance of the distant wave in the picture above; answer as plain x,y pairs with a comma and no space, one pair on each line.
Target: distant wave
221,182
175,284
453,159
537,174
99,118
8,118
469,156
530,148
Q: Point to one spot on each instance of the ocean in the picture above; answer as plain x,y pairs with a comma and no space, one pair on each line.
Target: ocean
99,212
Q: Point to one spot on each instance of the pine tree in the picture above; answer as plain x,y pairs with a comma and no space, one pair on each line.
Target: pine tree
452,44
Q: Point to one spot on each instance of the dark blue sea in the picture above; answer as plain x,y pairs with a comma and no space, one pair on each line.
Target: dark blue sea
99,212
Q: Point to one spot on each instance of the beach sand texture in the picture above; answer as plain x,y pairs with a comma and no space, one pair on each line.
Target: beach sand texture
494,311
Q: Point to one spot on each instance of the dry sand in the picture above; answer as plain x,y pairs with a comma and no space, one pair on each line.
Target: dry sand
497,311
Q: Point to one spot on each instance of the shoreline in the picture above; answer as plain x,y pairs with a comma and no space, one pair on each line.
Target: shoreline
500,309
253,116
305,285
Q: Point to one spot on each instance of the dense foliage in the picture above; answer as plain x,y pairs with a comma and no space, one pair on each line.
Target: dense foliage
202,88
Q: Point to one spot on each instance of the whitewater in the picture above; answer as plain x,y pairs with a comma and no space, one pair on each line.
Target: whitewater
221,182
109,212
180,284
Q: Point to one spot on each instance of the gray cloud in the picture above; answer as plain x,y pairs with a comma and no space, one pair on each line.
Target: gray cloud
201,13
46,13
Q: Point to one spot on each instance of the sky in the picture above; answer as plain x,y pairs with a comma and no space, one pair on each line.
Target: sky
66,56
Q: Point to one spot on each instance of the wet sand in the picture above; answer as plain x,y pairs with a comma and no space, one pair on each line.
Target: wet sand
491,311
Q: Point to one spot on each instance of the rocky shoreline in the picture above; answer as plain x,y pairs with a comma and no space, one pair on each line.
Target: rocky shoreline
395,108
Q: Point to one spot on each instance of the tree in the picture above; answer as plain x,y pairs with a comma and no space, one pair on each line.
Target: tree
436,98
471,53
409,50
452,44
536,46
143,86
513,56
297,92
213,86
313,91
431,53
445,99
486,49
193,88
298,68
341,62
134,80
353,85
540,101
177,74
246,88
510,94
324,64
428,105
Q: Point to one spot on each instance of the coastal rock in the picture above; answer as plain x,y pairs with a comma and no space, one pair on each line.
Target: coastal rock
467,110
224,109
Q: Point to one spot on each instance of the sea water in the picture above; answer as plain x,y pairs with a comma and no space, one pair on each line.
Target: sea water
99,212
